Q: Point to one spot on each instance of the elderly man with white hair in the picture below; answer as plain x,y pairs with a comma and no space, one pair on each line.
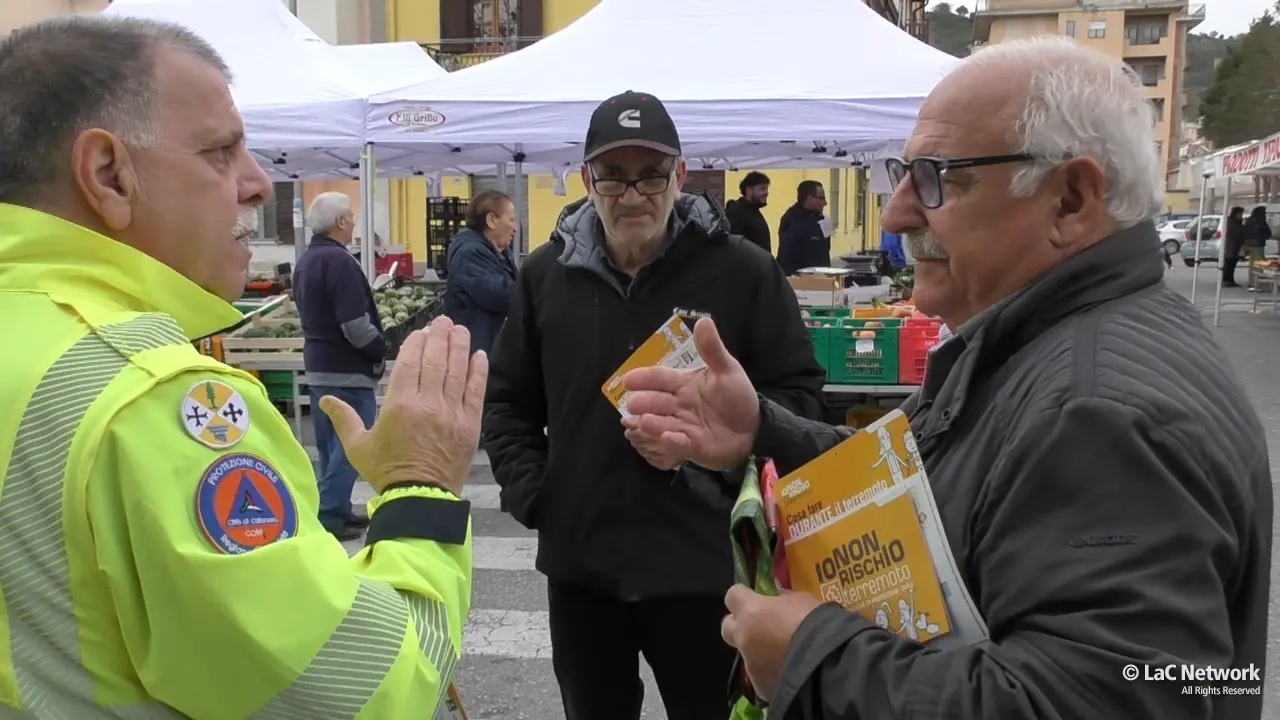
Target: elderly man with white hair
344,352
1100,472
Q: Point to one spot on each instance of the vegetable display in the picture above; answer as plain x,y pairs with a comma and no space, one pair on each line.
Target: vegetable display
287,329
397,305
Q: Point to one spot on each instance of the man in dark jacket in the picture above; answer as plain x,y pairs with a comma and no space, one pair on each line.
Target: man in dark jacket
744,214
1101,475
802,241
633,542
344,353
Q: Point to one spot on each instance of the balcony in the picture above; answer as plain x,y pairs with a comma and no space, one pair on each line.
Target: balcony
1193,16
1152,50
459,53
918,29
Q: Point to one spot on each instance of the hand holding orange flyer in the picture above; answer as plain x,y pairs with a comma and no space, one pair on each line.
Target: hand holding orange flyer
670,346
860,528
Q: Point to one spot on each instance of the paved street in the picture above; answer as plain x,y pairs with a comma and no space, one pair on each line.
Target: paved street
507,675
1252,343
506,669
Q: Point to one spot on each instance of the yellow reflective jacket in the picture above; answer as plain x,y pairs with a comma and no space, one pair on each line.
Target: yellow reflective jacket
115,600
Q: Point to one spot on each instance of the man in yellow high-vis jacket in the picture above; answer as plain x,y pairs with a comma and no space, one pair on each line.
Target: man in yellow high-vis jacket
160,555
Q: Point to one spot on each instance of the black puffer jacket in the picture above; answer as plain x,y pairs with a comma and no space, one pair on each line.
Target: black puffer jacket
745,219
606,519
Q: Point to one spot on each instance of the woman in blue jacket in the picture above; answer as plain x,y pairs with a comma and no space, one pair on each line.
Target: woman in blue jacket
481,271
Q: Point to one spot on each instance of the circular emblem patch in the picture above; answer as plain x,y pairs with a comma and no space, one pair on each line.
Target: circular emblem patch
215,415
243,504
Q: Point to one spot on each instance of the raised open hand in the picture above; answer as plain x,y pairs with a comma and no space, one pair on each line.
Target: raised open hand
429,426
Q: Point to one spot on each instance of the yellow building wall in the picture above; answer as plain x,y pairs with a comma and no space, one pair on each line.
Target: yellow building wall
1178,201
419,21
558,14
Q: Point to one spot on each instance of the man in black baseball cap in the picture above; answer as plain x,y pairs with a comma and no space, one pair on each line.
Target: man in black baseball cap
631,119
633,172
634,543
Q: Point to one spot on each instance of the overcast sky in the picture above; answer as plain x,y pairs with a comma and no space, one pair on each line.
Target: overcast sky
1229,17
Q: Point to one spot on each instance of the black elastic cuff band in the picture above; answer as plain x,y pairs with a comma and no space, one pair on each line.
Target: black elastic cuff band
420,518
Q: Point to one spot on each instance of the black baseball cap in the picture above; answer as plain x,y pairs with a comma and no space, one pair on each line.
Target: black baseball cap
631,119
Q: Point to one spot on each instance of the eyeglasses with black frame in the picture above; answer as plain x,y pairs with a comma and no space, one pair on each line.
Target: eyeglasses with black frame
647,186
928,174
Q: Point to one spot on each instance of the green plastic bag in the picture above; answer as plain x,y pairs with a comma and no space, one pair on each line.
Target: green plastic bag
746,710
753,543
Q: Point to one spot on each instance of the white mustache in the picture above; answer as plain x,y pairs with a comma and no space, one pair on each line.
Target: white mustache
246,224
922,246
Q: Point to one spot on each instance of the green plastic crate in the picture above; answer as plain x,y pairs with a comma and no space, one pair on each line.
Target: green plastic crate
825,312
279,384
821,337
870,361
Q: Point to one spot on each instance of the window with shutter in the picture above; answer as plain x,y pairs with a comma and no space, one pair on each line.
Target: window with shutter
455,26
530,22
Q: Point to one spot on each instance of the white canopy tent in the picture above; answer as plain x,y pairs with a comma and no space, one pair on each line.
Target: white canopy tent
290,86
383,66
304,102
801,104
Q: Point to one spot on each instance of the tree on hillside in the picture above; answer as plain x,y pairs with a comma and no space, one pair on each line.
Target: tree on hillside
1204,51
1243,101
950,32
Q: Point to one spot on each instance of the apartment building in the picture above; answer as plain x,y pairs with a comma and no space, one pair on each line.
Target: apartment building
1149,35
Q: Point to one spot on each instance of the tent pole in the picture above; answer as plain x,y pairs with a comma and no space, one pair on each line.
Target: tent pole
1195,269
522,219
1222,253
368,172
299,210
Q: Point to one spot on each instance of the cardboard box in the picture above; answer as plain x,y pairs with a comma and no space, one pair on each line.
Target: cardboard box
818,291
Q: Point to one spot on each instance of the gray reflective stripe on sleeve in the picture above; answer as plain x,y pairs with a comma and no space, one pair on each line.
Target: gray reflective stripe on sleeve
353,662
431,618
34,574
360,332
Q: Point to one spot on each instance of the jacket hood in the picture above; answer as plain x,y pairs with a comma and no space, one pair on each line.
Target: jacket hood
580,230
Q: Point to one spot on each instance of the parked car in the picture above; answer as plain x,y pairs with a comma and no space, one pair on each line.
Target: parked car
1210,238
1172,233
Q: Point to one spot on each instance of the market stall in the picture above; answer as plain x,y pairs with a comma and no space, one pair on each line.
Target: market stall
1257,159
874,356
533,106
689,53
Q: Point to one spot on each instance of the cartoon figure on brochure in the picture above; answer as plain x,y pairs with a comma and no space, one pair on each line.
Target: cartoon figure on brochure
909,625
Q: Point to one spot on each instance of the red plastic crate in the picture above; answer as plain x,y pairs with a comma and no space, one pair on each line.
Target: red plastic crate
916,338
382,264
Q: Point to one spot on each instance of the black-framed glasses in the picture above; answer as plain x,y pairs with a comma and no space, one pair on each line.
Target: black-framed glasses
928,174
647,185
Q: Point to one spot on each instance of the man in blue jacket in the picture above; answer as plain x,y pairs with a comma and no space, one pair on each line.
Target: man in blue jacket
344,352
802,241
